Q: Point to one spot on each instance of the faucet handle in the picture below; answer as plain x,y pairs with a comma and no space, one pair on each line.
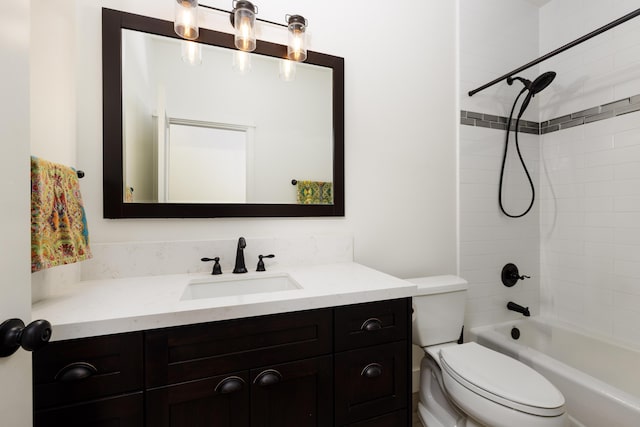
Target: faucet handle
261,262
216,265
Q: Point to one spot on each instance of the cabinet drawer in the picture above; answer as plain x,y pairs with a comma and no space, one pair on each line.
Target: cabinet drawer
192,352
73,371
121,411
371,323
370,382
216,401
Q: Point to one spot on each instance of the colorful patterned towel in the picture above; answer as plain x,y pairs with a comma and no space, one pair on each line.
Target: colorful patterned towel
59,233
314,193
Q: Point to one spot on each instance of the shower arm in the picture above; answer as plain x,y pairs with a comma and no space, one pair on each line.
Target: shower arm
561,49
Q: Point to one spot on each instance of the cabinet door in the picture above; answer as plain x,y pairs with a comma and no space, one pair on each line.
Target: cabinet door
221,401
371,381
121,411
295,394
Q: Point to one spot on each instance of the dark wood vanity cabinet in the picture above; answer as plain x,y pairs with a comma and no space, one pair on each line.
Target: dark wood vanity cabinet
343,366
90,382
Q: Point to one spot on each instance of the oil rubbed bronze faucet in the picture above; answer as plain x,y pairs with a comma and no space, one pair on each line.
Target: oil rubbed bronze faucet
518,308
240,267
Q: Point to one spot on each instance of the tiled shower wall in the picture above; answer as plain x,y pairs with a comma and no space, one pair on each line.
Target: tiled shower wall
590,178
582,244
495,35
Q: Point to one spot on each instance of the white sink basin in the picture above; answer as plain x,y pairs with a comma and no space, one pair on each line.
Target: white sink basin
214,287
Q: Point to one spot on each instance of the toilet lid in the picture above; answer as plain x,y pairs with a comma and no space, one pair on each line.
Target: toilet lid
502,379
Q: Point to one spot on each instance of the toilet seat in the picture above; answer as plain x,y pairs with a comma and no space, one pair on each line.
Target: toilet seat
501,379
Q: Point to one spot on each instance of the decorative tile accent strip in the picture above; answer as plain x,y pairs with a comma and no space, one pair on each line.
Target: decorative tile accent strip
471,118
590,115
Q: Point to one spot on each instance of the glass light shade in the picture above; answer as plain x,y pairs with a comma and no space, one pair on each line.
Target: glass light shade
287,70
185,23
244,23
191,52
297,43
241,62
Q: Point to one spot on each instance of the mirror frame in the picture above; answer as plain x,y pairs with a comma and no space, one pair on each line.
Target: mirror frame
113,22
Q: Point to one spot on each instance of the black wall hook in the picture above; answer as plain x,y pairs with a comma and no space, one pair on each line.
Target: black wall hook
510,275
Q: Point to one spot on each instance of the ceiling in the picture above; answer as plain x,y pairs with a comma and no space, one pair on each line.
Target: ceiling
538,3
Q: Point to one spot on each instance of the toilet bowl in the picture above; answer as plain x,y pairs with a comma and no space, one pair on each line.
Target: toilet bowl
468,385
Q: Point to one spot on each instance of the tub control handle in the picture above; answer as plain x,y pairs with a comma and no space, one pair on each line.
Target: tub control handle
510,275
371,324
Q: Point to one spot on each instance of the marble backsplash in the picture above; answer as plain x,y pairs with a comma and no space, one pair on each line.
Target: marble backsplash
132,259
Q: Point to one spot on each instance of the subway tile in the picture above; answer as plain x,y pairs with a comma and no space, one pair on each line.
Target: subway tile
468,122
613,105
489,118
463,114
501,126
525,129
587,112
572,123
605,115
483,123
627,109
559,120
548,129
474,115
635,99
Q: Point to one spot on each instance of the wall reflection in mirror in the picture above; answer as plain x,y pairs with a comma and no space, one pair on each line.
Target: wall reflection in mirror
203,125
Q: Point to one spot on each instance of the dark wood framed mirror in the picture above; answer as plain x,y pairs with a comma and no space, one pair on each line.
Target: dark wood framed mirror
154,170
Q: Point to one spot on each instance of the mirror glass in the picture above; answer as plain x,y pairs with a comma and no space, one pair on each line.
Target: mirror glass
203,130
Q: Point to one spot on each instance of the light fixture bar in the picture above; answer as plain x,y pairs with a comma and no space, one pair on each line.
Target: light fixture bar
257,19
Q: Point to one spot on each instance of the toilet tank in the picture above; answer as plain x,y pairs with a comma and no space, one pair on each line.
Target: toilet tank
438,309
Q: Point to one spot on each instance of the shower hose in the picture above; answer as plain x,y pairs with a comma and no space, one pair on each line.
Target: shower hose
524,166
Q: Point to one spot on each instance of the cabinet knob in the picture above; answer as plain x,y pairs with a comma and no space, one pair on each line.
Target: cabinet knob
14,334
268,377
371,324
230,385
75,372
372,370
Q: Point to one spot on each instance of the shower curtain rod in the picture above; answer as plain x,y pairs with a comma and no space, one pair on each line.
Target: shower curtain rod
560,49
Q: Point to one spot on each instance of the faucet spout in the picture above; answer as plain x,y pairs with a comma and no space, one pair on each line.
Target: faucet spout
240,267
518,308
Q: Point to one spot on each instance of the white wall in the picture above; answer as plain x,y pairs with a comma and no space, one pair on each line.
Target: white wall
590,221
400,116
53,106
496,36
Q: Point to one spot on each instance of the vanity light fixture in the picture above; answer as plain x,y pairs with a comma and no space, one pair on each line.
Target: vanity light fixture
186,19
297,46
243,19
244,23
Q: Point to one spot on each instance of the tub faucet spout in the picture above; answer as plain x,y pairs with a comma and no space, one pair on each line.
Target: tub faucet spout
240,267
518,308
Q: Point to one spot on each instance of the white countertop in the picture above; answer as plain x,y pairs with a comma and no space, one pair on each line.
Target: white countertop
100,307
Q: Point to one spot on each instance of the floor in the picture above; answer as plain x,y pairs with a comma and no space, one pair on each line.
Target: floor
414,405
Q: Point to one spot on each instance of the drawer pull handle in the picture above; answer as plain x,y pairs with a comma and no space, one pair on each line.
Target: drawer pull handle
75,372
268,377
372,324
230,385
372,370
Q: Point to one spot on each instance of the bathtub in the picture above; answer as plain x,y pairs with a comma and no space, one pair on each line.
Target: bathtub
600,380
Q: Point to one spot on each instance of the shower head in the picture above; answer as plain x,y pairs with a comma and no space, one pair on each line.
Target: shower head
542,82
534,87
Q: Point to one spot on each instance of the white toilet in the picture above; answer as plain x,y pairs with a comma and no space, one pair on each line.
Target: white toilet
468,385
